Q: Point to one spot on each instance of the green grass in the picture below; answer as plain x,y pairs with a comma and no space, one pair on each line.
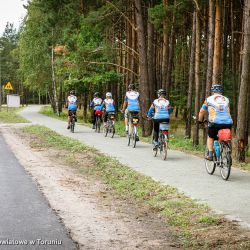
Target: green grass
51,139
48,111
185,217
11,116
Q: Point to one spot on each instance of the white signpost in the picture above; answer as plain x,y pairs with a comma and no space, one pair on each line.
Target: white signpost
13,101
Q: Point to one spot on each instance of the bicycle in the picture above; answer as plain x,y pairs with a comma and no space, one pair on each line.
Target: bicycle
221,156
162,141
110,125
98,120
132,129
72,121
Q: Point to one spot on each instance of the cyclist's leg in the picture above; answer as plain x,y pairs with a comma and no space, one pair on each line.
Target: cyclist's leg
75,116
212,135
126,120
156,126
69,114
105,118
94,119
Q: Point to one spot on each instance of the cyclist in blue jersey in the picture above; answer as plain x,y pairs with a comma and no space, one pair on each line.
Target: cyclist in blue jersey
131,104
96,105
217,107
109,106
160,110
71,103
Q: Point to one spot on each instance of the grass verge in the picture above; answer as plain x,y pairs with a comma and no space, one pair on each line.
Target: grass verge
192,225
47,110
11,116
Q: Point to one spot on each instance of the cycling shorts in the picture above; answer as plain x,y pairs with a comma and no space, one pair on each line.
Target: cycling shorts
213,129
127,113
71,112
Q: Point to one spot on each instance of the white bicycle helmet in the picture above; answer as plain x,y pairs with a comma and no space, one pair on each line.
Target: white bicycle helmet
108,94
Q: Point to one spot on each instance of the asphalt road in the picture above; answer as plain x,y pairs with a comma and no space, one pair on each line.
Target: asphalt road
183,171
27,221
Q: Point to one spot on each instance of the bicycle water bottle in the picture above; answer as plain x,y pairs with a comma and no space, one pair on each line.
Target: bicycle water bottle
217,148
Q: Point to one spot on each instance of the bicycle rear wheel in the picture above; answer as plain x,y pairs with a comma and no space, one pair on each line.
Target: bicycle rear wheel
105,131
226,161
210,165
134,136
112,131
163,147
72,125
99,125
129,134
96,121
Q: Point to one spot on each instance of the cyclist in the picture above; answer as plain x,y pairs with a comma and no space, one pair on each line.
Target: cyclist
71,103
96,104
131,104
160,110
109,106
219,116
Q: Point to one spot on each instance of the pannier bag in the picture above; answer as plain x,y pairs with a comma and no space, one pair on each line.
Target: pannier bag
225,134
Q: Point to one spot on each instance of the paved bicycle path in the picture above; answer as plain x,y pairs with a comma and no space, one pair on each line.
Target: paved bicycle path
180,170
27,221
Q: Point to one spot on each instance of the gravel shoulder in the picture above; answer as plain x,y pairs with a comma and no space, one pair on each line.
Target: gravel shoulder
95,219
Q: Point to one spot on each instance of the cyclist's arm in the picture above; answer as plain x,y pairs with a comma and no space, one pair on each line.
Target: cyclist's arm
66,103
125,103
151,111
102,106
203,111
91,105
170,109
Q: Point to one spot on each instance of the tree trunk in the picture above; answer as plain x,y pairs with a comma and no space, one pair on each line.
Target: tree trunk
233,67
151,67
203,82
197,76
244,86
165,48
143,63
190,82
217,45
211,26
170,58
54,87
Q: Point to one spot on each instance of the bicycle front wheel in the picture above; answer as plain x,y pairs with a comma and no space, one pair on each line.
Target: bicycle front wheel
226,161
210,165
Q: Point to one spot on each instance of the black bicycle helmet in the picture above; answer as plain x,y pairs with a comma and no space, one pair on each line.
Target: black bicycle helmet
162,92
96,94
217,88
72,92
131,86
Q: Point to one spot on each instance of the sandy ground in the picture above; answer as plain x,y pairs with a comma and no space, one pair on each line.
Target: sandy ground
94,217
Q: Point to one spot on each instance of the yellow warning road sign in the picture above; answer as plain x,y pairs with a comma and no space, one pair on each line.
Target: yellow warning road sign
8,86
